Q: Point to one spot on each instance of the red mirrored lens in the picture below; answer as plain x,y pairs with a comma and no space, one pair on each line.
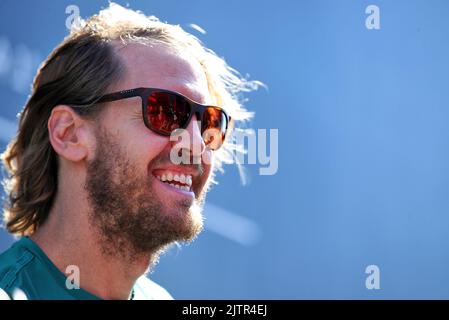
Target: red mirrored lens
167,112
214,124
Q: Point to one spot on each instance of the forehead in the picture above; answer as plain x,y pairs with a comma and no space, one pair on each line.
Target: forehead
160,66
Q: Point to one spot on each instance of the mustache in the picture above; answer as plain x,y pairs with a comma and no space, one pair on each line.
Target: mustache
164,160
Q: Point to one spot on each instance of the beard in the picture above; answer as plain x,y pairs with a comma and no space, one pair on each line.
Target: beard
129,217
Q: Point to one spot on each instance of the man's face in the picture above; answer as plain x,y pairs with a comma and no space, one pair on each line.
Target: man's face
133,209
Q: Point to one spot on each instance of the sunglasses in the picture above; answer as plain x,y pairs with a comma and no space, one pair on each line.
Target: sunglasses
164,111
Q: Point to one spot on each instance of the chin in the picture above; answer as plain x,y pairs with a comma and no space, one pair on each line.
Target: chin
191,224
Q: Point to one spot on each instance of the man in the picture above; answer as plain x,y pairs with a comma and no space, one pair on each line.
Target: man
96,188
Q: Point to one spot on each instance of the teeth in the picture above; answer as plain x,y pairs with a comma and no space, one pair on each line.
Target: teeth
181,178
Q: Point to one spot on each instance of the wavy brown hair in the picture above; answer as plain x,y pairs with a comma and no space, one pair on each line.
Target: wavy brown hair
79,71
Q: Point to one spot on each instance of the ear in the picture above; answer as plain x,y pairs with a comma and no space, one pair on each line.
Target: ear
69,133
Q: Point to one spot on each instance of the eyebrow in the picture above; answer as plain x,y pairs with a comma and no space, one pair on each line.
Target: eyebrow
194,95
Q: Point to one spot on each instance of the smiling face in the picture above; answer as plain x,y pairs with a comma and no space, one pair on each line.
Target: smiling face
140,200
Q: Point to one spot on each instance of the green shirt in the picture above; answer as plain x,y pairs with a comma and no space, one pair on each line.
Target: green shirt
26,267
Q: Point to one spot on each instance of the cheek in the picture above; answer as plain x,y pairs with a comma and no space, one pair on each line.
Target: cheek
145,146
208,161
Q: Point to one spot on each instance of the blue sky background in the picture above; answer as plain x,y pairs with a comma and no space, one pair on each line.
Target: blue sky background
363,145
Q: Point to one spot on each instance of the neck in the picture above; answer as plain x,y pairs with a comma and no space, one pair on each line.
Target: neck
67,238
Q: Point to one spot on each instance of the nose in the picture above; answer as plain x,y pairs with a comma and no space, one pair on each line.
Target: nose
192,141
197,144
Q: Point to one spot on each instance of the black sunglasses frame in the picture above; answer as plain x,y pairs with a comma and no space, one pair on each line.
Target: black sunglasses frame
145,93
